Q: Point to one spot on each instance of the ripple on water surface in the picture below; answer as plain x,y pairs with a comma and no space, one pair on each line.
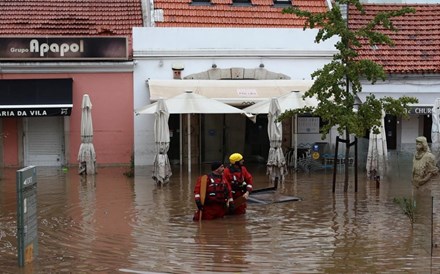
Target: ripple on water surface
110,223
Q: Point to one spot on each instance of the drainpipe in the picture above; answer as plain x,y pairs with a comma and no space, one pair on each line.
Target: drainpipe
146,11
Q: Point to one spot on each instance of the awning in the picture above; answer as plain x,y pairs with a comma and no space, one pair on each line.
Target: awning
35,97
232,92
424,106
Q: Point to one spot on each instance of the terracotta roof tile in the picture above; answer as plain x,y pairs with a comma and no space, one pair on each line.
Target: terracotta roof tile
222,13
70,17
416,43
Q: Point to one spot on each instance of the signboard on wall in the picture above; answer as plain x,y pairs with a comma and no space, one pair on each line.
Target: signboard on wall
35,97
27,236
420,110
63,48
308,124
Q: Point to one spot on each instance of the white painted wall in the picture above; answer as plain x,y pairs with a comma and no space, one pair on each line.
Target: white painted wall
288,51
426,88
235,39
406,84
410,131
400,1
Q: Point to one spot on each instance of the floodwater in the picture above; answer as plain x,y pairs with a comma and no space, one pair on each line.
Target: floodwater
109,223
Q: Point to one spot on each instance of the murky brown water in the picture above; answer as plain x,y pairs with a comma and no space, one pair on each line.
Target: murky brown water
109,224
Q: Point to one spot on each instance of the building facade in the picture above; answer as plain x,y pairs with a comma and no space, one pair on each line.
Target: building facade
412,66
214,42
48,61
238,66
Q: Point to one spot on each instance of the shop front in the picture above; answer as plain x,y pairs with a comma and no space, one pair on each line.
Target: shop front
240,68
42,82
215,136
38,108
401,132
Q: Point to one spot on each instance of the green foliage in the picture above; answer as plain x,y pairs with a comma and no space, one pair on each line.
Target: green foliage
130,172
336,99
408,207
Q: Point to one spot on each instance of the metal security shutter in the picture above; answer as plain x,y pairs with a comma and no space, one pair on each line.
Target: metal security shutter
44,141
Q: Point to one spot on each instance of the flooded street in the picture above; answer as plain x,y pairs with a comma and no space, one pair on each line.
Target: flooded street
109,223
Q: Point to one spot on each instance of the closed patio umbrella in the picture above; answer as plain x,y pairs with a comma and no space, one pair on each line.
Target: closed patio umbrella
435,130
86,154
161,166
276,163
377,151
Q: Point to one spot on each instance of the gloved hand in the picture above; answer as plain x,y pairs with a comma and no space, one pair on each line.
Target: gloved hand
246,195
199,205
231,207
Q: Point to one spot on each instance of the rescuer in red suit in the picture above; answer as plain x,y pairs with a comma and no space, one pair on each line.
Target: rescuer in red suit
240,180
217,199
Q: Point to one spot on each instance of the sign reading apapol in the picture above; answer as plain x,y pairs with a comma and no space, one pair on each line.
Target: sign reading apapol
65,48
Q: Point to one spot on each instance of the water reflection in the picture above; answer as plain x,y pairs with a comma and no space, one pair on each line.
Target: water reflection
109,223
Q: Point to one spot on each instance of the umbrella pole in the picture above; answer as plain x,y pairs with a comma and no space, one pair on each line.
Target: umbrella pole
295,152
292,141
291,131
181,140
189,143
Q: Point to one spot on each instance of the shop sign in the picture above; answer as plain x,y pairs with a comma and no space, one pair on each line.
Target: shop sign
308,125
35,97
63,48
420,110
27,224
35,112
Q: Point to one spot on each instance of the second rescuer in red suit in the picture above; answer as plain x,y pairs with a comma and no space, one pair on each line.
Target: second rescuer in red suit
240,180
218,197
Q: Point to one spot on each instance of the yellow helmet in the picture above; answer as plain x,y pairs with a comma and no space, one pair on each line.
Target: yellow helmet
235,157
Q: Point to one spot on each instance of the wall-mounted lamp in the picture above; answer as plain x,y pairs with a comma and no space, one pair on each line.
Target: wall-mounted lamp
177,70
178,66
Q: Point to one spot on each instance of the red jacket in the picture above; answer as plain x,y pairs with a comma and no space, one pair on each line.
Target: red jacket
218,189
239,178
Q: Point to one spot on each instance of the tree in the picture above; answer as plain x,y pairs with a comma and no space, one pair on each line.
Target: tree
338,82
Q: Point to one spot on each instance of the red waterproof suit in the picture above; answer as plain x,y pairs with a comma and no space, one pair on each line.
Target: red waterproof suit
218,192
241,181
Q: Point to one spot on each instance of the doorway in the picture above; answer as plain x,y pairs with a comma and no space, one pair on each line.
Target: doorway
257,140
222,135
174,150
427,127
391,131
43,141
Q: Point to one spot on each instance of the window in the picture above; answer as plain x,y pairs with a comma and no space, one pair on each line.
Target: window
282,2
201,2
242,2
